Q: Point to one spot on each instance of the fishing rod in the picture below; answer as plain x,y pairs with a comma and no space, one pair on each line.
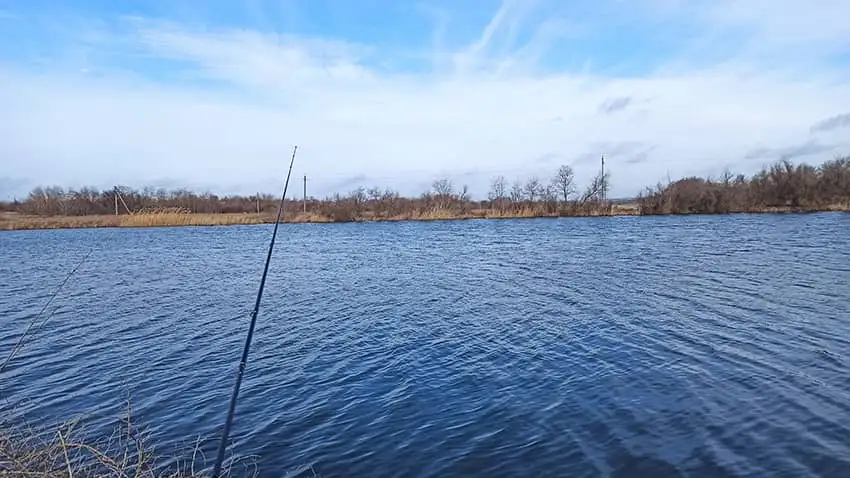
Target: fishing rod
41,312
230,411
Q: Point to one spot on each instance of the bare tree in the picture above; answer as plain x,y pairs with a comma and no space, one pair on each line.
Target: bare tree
389,202
517,194
533,189
47,201
726,177
593,192
374,194
834,181
549,196
443,187
443,192
498,188
463,198
564,182
358,198
498,192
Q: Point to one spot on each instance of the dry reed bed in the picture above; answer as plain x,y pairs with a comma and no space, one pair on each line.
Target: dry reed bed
22,222
187,219
14,221
302,218
18,222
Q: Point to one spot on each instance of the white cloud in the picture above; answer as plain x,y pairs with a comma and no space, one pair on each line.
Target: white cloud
784,23
491,113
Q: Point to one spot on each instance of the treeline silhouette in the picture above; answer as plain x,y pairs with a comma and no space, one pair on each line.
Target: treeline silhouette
531,197
783,185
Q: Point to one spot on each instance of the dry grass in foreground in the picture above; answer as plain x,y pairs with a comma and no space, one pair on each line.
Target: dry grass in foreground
67,452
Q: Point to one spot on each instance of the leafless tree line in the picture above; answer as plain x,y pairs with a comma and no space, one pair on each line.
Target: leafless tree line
530,196
558,195
780,185
54,201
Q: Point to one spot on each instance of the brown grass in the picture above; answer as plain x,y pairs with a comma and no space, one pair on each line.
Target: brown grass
837,207
308,218
158,219
439,214
66,451
15,221
12,221
841,207
524,213
626,209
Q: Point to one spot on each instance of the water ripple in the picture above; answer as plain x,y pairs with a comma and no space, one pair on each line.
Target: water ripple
670,346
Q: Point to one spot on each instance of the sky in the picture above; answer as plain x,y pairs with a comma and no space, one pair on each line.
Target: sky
213,95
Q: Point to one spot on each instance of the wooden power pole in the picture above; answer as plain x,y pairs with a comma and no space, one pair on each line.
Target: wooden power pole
118,196
305,194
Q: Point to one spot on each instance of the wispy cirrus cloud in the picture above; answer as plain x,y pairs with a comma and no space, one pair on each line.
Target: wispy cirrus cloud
217,93
811,147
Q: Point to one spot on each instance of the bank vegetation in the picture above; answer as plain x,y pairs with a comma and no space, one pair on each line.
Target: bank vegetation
783,186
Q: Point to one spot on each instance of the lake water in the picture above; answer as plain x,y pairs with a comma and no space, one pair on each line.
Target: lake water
626,346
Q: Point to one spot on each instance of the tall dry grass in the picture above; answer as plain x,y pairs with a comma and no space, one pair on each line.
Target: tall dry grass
168,218
438,214
67,451
14,221
521,213
839,207
309,217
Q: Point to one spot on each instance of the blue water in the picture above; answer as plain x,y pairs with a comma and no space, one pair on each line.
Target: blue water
631,346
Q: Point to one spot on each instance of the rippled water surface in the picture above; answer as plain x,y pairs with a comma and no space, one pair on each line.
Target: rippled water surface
671,346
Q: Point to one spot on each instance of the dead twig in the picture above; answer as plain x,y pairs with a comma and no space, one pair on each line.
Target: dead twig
65,452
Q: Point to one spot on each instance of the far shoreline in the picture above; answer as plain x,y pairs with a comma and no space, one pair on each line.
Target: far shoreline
21,222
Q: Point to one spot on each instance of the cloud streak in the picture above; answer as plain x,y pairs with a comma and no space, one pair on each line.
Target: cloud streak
831,123
612,105
809,148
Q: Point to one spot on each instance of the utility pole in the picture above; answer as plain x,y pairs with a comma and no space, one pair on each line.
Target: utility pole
124,203
603,178
305,194
258,203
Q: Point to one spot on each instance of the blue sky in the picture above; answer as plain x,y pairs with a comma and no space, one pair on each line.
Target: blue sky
212,95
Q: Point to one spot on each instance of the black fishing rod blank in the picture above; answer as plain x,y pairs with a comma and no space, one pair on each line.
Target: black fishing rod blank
242,363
